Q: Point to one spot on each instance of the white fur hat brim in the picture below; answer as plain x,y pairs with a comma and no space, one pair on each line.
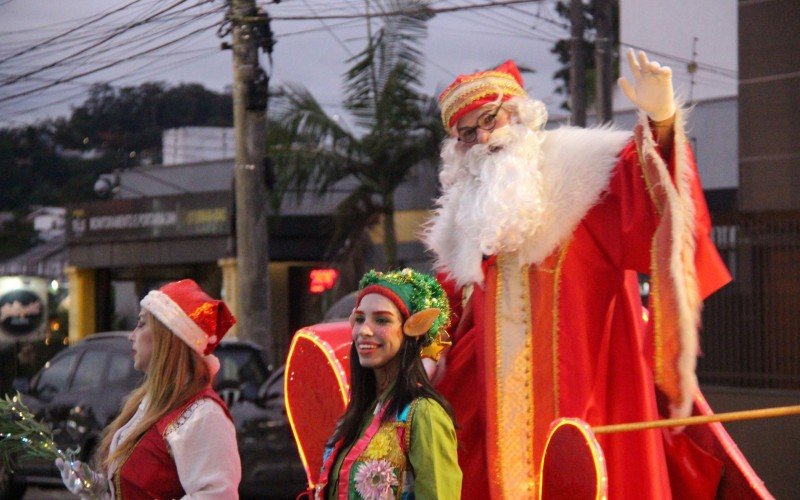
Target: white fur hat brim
179,323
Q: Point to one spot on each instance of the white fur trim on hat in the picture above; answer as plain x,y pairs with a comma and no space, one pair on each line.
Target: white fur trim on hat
170,313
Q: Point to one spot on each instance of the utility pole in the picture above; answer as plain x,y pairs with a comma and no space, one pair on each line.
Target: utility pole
577,69
602,60
249,118
692,69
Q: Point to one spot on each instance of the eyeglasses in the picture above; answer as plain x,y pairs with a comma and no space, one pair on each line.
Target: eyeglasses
487,121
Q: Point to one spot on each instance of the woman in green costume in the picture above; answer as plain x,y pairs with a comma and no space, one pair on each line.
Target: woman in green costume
396,440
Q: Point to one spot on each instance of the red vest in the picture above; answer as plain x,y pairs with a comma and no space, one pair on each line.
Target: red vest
149,472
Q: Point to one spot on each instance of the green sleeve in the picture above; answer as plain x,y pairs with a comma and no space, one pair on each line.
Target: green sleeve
432,452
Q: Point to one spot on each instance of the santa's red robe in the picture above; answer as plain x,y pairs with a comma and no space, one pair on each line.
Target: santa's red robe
564,335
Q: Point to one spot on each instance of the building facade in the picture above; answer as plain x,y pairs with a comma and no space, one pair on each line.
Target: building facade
177,221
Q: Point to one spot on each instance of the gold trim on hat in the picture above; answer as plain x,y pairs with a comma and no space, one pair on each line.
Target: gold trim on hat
476,87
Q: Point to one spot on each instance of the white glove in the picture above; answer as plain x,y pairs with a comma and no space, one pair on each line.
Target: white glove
652,87
69,476
82,481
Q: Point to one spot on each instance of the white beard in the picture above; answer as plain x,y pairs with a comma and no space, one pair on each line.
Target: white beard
523,193
492,197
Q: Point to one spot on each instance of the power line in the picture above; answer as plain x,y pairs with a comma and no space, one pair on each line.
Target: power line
140,76
402,12
507,20
55,26
116,33
562,25
328,6
708,67
329,30
85,53
500,34
346,23
169,15
106,66
150,67
501,22
77,39
141,41
70,31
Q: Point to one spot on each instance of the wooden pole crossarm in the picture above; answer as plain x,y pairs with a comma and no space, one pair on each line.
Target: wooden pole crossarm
779,411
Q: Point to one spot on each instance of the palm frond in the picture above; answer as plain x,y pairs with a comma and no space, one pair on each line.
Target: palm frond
400,127
392,59
354,215
308,147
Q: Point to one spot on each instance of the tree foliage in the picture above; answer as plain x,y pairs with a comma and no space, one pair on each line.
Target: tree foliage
562,49
57,161
121,121
400,131
35,172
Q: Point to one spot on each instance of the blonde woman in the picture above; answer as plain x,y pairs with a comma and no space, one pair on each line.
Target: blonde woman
174,437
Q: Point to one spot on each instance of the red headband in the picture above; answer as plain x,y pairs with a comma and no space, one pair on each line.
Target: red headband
389,294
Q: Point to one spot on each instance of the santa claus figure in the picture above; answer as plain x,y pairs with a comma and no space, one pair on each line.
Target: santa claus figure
539,236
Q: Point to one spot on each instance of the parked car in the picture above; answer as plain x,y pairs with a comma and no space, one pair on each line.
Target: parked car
341,309
82,388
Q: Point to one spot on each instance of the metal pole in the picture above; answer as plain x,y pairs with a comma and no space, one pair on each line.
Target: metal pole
252,250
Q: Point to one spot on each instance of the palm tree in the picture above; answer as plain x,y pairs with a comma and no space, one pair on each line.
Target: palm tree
400,127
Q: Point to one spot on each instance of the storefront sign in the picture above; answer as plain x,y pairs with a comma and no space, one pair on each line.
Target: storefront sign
199,214
23,306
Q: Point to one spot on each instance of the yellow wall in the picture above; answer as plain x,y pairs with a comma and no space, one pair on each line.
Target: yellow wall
279,292
81,302
407,225
229,285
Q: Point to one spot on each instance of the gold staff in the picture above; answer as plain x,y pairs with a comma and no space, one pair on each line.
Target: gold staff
779,411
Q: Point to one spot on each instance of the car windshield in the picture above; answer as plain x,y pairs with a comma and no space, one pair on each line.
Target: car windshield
89,374
238,366
54,376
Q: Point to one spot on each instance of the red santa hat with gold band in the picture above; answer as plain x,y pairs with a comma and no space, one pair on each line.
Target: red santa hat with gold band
468,92
188,312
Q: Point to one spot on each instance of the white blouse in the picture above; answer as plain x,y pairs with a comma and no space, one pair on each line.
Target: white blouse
202,441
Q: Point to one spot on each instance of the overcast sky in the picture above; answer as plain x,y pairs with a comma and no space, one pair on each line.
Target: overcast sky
314,52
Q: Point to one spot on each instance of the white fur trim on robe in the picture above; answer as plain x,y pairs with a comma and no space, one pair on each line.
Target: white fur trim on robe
672,194
576,171
576,167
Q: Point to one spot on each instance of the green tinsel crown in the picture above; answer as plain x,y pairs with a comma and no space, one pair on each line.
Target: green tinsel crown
419,291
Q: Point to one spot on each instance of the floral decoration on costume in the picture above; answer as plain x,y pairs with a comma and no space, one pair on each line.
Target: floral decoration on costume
374,480
385,445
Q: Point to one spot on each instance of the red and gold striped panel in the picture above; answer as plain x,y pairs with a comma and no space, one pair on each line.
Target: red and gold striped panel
317,388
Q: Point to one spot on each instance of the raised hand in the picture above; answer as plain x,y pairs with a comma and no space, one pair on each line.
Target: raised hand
652,87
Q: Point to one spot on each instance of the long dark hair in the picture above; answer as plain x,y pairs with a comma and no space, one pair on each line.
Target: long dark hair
412,382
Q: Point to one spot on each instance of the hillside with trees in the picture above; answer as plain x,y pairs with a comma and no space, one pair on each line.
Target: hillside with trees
56,162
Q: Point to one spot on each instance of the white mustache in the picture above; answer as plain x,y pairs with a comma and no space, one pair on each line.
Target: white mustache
499,139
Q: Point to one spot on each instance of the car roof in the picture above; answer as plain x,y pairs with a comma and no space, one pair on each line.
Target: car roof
341,309
104,335
230,343
237,342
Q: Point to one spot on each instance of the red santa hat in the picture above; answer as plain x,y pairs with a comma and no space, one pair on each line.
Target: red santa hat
191,314
468,92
